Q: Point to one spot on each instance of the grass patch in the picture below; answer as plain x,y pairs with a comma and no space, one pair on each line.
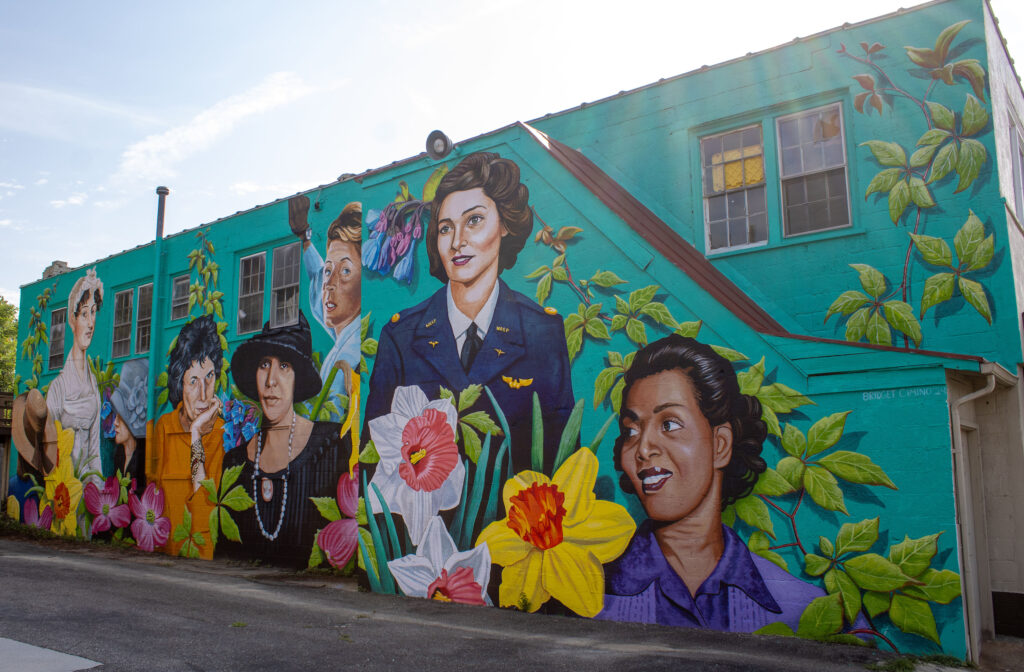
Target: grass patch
239,624
908,663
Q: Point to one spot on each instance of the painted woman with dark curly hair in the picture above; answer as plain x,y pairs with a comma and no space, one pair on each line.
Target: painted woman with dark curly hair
689,445
475,329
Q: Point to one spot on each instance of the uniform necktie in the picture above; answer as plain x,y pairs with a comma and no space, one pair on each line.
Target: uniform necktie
471,346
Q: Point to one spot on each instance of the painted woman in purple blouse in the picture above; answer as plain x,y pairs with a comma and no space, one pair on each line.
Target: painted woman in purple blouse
690,445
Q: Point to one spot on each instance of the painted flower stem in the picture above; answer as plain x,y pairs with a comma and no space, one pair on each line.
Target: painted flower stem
874,633
791,516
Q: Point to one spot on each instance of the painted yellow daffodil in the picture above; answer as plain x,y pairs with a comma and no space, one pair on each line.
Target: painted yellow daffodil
13,508
556,537
63,490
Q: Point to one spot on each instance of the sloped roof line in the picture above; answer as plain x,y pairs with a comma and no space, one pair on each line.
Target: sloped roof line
685,256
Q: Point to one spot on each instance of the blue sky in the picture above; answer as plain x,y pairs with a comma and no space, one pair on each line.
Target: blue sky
234,104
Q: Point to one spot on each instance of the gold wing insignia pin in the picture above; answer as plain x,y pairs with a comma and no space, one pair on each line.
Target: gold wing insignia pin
433,344
499,352
431,323
516,383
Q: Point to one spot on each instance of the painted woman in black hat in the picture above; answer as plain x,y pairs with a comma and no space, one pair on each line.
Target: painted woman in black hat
291,458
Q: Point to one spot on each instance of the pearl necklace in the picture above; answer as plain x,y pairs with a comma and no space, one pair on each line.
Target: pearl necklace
284,498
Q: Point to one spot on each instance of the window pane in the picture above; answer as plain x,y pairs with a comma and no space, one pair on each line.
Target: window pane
737,204
144,319
754,169
738,231
718,235
759,228
122,342
838,211
752,137
285,288
179,297
250,293
716,208
788,135
793,191
733,163
58,319
814,158
833,153
791,161
755,200
796,219
816,189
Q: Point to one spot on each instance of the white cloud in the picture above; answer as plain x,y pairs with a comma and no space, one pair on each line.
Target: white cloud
4,223
58,114
155,157
10,185
13,296
74,199
41,181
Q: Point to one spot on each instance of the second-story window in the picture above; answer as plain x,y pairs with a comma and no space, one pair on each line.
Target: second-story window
734,198
58,320
250,293
142,326
122,344
1017,158
812,161
179,297
284,307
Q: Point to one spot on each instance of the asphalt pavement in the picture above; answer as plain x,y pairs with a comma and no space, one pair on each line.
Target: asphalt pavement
127,610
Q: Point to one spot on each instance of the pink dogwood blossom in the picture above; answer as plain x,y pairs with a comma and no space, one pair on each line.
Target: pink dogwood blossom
150,528
103,505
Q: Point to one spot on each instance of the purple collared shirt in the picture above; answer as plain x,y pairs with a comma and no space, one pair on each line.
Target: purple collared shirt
744,592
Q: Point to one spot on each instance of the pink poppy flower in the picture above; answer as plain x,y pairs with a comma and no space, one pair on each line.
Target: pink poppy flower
34,518
150,528
103,505
340,538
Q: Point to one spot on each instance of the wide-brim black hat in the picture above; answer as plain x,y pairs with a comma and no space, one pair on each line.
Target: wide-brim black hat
292,344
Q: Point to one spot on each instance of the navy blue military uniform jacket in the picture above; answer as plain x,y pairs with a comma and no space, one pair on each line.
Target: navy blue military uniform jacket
523,343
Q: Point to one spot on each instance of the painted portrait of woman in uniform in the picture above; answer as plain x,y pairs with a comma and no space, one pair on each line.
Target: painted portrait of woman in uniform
475,329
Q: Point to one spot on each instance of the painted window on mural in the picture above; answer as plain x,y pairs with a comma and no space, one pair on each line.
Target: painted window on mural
734,199
812,161
122,344
250,293
179,297
142,327
284,309
58,319
1017,145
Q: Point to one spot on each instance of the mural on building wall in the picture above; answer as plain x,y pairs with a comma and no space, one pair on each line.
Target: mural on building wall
949,145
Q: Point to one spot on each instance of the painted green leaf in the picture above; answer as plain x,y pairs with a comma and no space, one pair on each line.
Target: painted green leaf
366,542
162,399
824,433
769,418
482,422
857,325
237,499
919,193
913,556
781,398
471,445
901,316
878,331
972,156
791,469
369,347
316,556
873,572
596,328
974,117
754,512
445,393
856,468
793,441
606,279
913,616
574,342
823,489
369,455
933,250
591,311
969,238
559,274
469,395
544,289
689,329
730,354
941,586
815,565
871,279
942,116
771,484
826,546
945,162
982,256
937,288
638,298
750,379
838,581
823,616
636,330
777,629
615,359
622,306
899,199
729,517
974,293
558,261
876,603
922,156
883,181
933,136
760,545
327,506
971,70
616,394
857,537
227,525
603,383
572,322
847,302
887,153
660,313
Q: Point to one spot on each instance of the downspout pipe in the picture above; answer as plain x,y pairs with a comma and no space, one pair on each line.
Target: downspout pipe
969,590
155,323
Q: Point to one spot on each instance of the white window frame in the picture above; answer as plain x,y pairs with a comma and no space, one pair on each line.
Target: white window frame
56,358
285,290
144,322
179,302
783,178
122,347
260,293
1017,161
745,189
